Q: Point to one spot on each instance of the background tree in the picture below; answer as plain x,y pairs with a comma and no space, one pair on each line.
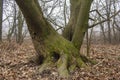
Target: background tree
12,30
1,15
15,26
107,15
20,23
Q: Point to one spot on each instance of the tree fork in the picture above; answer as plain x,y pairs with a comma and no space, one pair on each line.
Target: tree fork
49,45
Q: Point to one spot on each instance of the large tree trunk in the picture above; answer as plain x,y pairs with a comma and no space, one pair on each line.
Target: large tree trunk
51,47
74,11
78,24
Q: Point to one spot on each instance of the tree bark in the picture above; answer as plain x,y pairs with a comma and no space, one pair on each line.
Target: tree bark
1,15
78,24
103,32
19,37
108,10
82,23
74,11
51,47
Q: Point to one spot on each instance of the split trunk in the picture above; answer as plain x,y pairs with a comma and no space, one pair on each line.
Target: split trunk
52,48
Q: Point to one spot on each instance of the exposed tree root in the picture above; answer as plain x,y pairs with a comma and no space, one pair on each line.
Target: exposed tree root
65,56
65,64
62,65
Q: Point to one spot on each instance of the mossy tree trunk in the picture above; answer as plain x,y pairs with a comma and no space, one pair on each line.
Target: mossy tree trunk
78,24
74,11
52,48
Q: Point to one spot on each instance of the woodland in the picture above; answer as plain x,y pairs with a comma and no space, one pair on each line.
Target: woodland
59,39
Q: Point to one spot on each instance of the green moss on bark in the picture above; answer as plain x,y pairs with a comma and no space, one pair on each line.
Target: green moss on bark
55,50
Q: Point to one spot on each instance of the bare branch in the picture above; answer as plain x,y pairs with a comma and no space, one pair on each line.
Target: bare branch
105,19
98,13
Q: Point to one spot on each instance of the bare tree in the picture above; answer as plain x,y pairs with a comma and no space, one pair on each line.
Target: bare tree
12,29
1,15
20,23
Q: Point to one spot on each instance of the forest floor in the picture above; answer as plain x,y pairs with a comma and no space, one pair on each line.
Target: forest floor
15,64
